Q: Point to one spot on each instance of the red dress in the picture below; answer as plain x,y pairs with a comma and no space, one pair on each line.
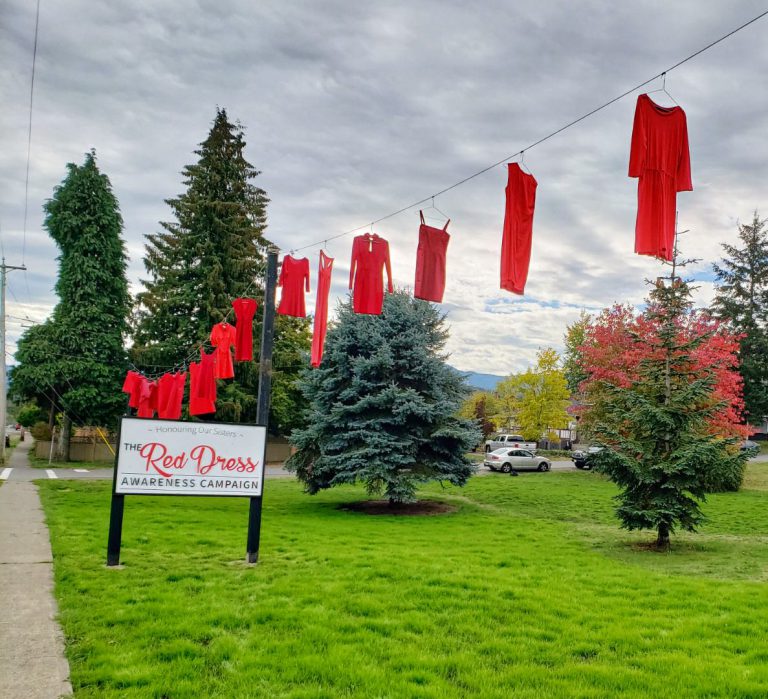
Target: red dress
200,400
132,386
170,391
147,398
430,262
321,307
518,229
223,336
294,278
660,158
370,255
245,309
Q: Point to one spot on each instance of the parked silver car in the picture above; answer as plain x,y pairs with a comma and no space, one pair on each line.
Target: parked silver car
511,460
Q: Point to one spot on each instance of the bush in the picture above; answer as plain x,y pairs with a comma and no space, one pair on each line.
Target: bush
41,432
727,478
30,415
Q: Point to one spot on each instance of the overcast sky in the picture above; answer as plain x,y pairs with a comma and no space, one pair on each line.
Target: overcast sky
355,109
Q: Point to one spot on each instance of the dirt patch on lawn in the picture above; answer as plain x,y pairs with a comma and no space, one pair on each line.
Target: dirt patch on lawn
383,507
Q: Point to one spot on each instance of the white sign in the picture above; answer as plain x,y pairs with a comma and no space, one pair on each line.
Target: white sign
165,457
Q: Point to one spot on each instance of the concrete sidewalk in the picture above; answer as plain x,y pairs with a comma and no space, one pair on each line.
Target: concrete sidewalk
32,661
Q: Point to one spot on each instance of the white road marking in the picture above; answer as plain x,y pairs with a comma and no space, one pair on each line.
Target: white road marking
81,470
51,473
5,473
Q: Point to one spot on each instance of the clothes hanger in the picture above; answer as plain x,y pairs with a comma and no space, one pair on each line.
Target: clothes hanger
432,207
522,164
664,90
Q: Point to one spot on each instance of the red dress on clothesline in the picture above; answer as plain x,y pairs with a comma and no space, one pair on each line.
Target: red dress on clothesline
294,279
370,256
430,262
223,336
245,309
325,268
660,158
518,229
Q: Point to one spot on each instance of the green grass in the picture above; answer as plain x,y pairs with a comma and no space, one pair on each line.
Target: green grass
528,590
38,462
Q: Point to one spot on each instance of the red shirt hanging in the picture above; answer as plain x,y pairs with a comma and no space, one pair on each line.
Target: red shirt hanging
223,336
430,262
660,158
294,279
245,309
518,229
132,386
370,256
324,271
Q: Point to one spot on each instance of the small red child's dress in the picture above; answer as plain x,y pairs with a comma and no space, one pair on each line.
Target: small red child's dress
223,336
660,158
370,256
294,279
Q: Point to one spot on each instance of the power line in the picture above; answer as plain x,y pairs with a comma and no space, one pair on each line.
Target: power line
29,133
535,143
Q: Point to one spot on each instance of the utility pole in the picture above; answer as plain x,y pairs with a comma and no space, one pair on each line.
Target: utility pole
4,269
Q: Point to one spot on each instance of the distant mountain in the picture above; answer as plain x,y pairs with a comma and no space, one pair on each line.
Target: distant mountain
484,382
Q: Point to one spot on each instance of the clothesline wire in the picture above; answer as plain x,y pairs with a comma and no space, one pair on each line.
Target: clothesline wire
521,152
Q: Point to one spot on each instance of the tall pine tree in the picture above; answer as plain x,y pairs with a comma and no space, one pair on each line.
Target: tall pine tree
741,299
383,405
85,336
213,252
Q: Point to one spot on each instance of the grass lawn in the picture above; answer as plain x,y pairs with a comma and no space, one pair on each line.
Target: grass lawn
38,462
528,589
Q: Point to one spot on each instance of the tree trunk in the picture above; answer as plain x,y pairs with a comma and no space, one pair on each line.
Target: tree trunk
66,436
662,540
51,418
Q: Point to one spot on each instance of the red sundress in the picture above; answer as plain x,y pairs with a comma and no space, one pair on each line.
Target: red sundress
245,309
294,279
324,271
518,229
370,256
430,262
660,158
199,404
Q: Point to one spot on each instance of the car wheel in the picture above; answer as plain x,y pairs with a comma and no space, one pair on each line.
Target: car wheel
506,468
543,466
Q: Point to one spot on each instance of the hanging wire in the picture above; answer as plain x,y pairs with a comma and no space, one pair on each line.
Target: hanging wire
570,124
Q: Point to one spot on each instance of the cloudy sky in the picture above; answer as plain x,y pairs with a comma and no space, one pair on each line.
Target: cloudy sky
355,109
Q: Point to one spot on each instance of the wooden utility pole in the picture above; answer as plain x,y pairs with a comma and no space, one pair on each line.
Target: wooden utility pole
4,269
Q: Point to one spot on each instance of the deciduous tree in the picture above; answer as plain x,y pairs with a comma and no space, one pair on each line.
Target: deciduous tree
382,406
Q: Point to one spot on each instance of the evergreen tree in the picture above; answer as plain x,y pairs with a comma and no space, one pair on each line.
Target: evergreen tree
654,407
741,298
211,253
382,406
81,352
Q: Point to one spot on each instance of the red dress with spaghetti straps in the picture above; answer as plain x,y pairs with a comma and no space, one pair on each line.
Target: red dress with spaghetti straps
245,309
370,256
324,271
430,262
518,229
294,279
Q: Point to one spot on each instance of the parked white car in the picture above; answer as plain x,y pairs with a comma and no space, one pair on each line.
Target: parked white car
511,460
510,441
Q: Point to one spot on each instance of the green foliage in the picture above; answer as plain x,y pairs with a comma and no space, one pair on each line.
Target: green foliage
28,415
213,252
77,358
41,431
477,407
574,339
660,449
741,299
535,400
382,406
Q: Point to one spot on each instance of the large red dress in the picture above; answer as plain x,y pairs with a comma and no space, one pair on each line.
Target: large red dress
223,336
170,391
660,158
518,229
294,279
430,262
370,256
325,268
245,309
201,401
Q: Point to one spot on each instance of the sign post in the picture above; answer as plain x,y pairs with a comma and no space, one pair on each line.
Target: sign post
262,402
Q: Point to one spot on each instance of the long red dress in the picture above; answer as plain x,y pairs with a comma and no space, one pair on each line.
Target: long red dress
518,229
325,268
245,309
200,400
430,262
170,391
223,336
370,256
660,158
294,279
